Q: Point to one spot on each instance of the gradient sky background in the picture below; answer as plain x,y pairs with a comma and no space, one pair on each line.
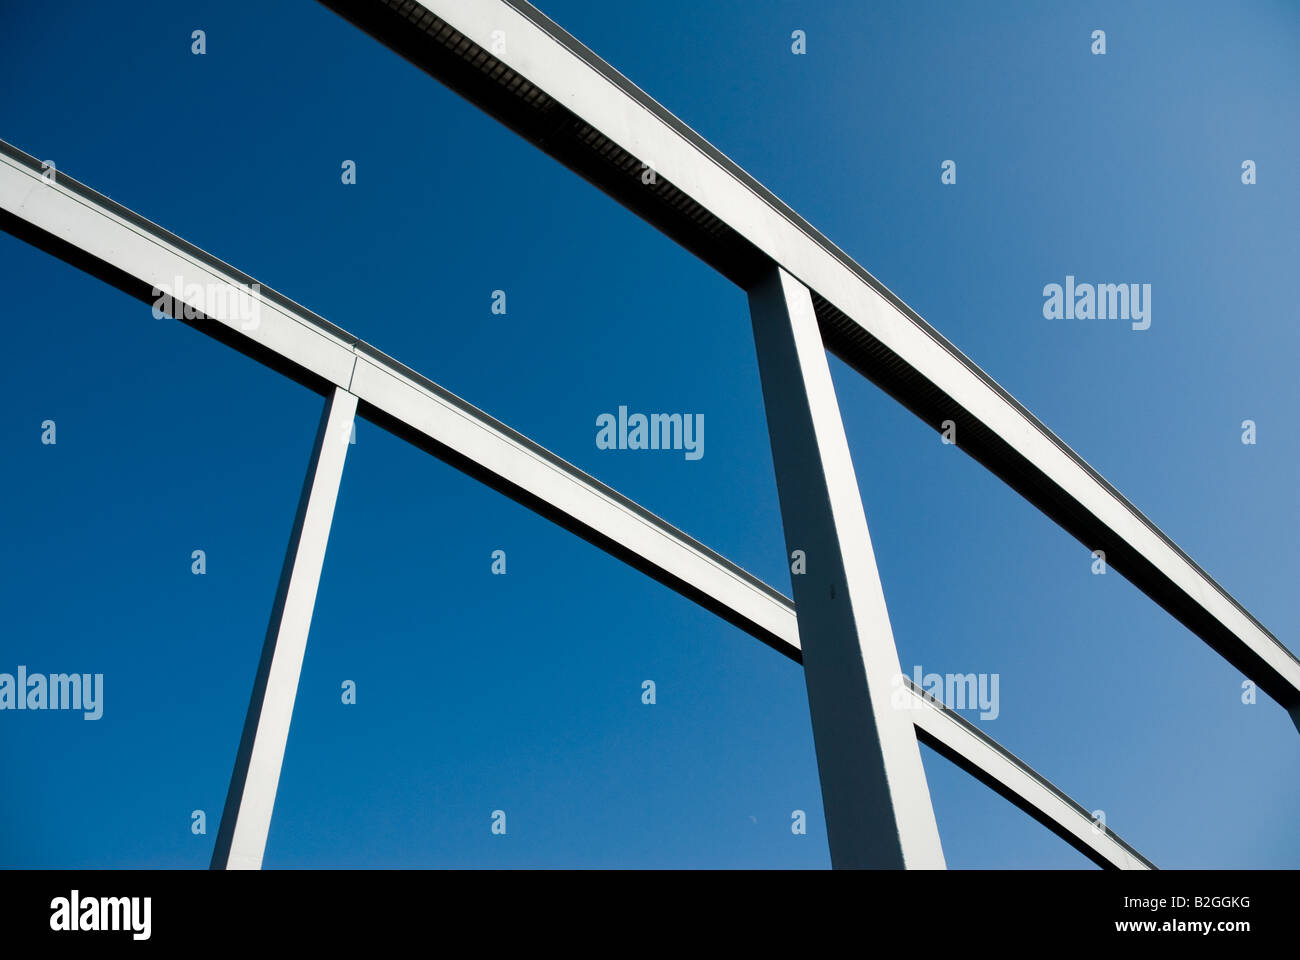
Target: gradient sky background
522,692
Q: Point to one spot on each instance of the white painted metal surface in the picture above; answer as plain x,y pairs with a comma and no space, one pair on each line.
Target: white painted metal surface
989,762
550,60
874,792
241,840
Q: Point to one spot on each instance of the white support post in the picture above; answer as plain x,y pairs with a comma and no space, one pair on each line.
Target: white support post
874,792
241,841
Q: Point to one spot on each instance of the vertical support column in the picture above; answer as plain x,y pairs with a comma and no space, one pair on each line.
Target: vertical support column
241,841
874,792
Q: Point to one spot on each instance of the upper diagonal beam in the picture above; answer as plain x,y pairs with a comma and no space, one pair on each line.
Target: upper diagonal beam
523,69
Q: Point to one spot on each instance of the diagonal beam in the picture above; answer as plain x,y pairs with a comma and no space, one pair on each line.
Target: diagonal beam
952,736
542,83
100,236
420,411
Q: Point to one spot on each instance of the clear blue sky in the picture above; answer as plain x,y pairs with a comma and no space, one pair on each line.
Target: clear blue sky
522,692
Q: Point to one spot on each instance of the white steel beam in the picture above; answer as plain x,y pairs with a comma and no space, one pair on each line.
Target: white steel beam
877,803
993,765
511,60
416,408
246,820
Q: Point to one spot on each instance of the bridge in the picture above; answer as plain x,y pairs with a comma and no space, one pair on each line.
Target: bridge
806,296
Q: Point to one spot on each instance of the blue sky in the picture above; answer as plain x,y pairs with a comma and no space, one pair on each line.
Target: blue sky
523,692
